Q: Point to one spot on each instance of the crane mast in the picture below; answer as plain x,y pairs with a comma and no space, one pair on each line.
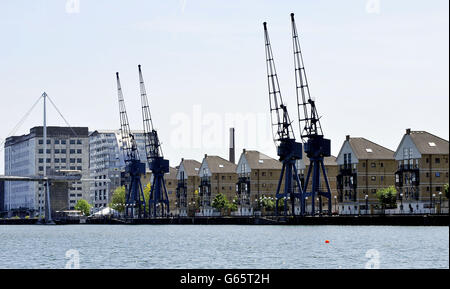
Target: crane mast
288,149
316,147
134,168
156,162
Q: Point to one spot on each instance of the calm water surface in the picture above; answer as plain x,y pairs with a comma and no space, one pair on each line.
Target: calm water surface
196,246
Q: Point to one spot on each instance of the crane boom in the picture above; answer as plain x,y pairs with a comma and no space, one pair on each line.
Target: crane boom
152,145
310,124
281,123
129,146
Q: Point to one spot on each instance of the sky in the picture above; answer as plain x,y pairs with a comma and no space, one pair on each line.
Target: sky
375,67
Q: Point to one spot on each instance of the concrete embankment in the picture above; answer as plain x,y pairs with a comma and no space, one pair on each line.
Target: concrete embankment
379,220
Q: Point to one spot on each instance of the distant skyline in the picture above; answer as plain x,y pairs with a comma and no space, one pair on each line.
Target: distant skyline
375,67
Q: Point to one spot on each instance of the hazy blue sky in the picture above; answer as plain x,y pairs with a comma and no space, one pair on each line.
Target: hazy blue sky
373,69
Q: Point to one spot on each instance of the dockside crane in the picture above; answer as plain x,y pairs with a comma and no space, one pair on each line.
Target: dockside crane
155,159
315,145
288,150
134,168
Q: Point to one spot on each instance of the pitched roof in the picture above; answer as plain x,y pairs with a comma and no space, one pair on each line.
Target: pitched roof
191,167
260,161
217,164
327,161
428,143
365,149
172,175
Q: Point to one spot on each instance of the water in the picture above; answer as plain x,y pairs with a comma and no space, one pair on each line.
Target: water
195,246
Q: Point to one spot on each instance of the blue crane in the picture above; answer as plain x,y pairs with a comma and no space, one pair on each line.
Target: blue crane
134,168
288,150
155,159
315,145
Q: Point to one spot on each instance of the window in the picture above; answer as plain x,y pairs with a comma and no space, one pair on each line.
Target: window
79,141
41,141
63,160
72,168
49,141
381,165
79,160
41,161
72,151
364,165
57,161
41,169
72,141
78,151
438,160
79,168
41,151
63,141
373,165
63,151
56,141
72,161
373,178
56,151
438,174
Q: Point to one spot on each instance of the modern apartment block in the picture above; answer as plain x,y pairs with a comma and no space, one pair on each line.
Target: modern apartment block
217,175
2,196
364,167
422,171
258,176
188,182
331,168
106,161
67,149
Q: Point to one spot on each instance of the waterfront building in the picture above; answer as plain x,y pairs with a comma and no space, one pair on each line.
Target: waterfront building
331,169
106,162
217,175
258,176
67,149
2,196
364,167
188,182
422,172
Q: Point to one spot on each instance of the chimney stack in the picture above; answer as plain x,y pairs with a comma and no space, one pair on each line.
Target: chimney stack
347,137
408,131
232,159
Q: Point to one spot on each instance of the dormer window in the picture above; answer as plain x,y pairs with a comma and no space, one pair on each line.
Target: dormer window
369,150
431,144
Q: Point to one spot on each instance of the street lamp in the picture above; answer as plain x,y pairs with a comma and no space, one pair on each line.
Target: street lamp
306,202
335,203
367,202
320,206
401,202
432,204
440,202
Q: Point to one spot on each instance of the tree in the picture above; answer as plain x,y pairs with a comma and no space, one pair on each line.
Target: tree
387,197
220,202
232,206
446,190
118,200
83,206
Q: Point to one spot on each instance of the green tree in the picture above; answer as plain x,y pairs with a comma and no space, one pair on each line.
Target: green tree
232,206
387,197
446,190
220,202
83,206
118,200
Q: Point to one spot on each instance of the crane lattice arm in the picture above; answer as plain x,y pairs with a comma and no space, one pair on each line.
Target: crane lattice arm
129,146
152,145
310,123
281,123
